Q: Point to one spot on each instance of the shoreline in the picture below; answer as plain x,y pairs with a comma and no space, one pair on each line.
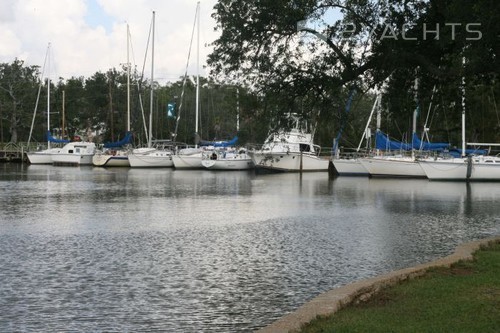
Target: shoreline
335,299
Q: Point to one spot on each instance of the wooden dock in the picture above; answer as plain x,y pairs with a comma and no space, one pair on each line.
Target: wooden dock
11,152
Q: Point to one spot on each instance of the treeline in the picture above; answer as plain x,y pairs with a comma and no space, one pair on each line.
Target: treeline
98,105
303,56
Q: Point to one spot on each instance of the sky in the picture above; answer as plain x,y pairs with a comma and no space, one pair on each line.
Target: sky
87,36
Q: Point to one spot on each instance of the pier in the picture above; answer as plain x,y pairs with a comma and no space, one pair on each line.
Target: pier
12,152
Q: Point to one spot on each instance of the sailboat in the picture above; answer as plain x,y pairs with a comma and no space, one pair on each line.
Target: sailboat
399,164
289,150
468,167
349,164
44,156
191,157
160,155
225,155
114,154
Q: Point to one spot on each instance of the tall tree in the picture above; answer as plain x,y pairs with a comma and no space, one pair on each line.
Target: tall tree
312,51
18,87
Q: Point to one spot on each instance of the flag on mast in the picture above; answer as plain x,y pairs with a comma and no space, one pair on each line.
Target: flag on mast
171,110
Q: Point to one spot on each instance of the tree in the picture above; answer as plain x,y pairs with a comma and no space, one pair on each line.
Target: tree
18,87
365,44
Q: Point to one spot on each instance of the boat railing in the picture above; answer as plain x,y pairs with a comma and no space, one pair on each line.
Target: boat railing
350,153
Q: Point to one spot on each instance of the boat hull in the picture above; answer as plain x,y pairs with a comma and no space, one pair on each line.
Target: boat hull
480,169
151,159
192,161
43,156
289,162
228,164
349,167
105,160
71,159
393,167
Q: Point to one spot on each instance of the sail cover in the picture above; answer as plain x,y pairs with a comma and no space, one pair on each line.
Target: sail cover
127,139
419,145
50,138
382,142
229,143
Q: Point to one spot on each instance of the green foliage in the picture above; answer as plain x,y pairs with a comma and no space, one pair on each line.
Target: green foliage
366,44
18,87
281,66
463,298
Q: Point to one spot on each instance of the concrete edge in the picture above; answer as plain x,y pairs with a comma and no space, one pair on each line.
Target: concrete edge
333,300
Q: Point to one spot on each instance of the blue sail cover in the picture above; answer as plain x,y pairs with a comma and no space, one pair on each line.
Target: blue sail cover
127,139
419,145
458,152
382,142
229,143
50,138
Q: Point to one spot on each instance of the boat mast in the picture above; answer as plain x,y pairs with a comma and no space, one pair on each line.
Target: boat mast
128,79
38,94
48,97
197,74
415,115
152,84
463,109
375,107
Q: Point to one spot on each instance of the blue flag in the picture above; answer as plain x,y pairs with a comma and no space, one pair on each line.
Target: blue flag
171,110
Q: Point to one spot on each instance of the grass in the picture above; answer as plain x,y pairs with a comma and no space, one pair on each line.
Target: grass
462,298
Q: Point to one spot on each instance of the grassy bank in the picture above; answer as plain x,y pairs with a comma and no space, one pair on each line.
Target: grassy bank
461,298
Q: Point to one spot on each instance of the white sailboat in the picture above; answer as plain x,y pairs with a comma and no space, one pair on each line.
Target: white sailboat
114,154
349,164
229,157
464,168
402,164
75,153
44,156
191,157
290,150
159,154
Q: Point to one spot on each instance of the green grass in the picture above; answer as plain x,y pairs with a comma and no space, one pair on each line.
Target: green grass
462,298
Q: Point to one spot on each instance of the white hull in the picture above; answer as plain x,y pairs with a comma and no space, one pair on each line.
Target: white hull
228,164
43,156
289,162
485,171
73,159
349,167
105,160
393,167
152,158
481,168
191,161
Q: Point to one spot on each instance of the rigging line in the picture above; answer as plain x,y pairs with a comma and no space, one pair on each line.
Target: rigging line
495,105
38,95
424,132
142,77
185,78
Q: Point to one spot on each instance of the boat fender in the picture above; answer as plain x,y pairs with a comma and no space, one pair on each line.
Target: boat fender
469,166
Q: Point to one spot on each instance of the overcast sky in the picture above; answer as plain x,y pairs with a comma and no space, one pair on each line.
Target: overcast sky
87,36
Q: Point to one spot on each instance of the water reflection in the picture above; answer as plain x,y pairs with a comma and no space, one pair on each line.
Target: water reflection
93,249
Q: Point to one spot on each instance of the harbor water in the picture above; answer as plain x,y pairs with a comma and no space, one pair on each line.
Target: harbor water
86,249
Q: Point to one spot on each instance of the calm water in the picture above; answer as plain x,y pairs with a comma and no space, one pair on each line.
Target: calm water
121,250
